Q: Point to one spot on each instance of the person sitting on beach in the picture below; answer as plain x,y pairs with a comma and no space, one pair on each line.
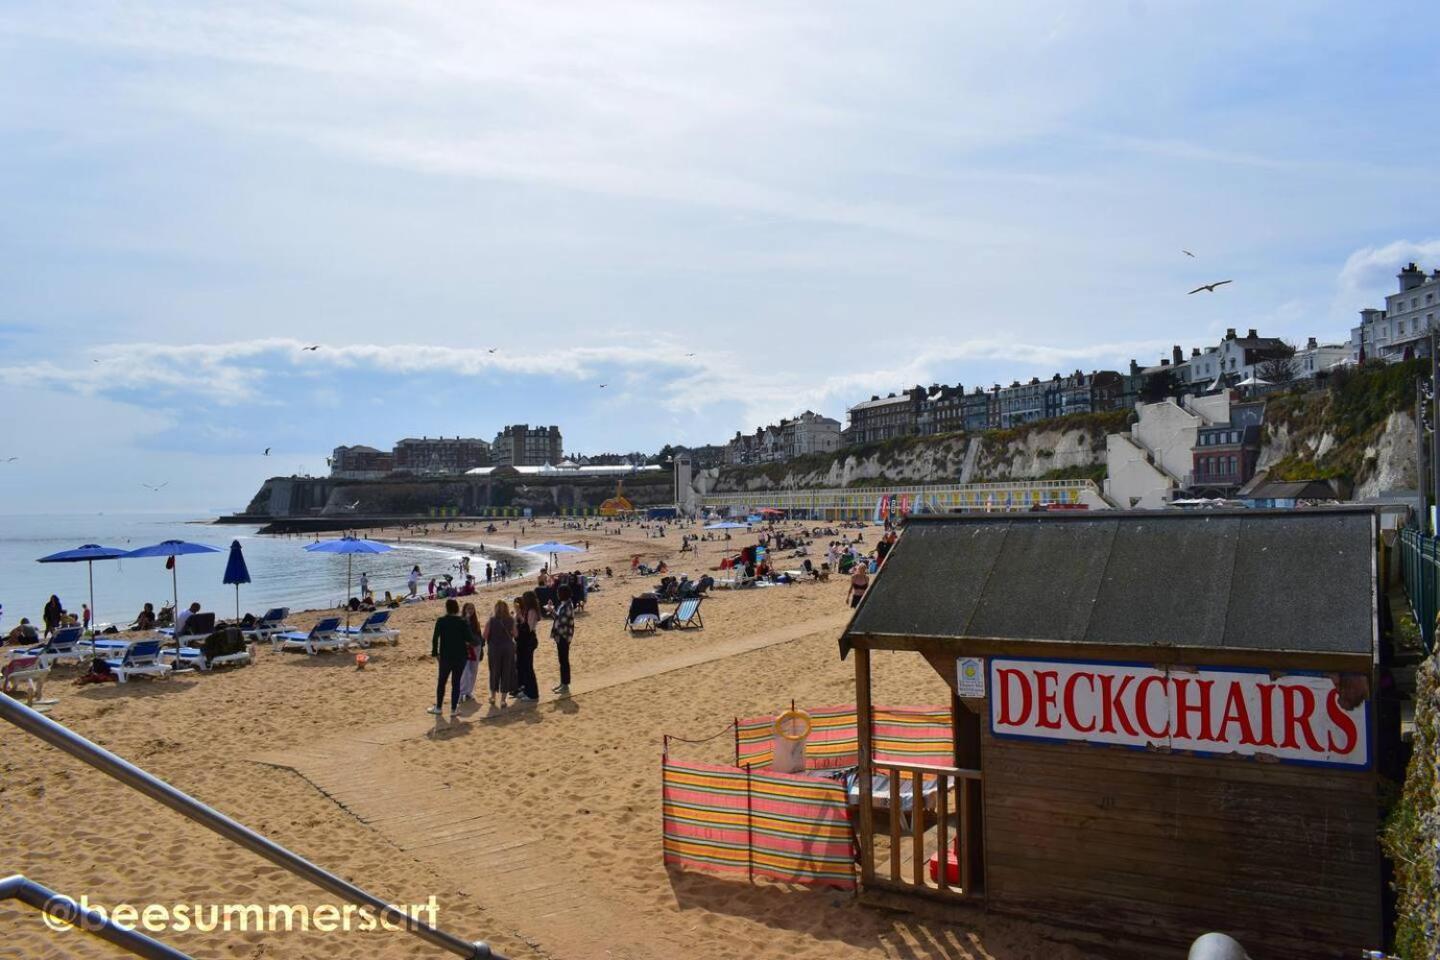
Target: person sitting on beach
184,617
24,632
145,619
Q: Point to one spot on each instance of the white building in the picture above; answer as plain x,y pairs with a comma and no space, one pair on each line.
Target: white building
1404,324
1234,359
1316,358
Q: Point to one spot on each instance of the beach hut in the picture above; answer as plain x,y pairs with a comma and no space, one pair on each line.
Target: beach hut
1164,724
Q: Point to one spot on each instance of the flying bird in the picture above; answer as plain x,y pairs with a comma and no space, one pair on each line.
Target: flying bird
491,350
689,354
11,459
154,486
603,386
1187,253
1210,287
316,347
267,451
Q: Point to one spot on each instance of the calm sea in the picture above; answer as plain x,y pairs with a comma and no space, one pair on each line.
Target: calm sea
281,572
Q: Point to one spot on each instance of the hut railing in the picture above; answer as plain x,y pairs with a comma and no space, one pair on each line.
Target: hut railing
1420,569
922,813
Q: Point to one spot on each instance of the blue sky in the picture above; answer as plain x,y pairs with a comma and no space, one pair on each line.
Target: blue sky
818,201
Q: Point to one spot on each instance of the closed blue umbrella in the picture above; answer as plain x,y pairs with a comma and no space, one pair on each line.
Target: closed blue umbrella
87,554
349,546
727,525
236,572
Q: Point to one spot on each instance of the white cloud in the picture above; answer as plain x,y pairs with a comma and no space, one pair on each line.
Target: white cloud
1369,273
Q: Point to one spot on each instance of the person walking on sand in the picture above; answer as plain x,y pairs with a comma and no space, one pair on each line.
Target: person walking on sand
448,645
527,620
473,652
562,631
500,638
859,583
414,579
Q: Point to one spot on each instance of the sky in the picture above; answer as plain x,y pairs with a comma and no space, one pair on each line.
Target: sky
654,222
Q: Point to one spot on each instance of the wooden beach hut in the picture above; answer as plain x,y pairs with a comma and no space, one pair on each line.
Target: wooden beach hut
1163,724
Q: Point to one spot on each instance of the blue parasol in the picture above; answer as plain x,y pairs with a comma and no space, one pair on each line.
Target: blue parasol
87,554
553,547
236,572
171,549
349,546
727,525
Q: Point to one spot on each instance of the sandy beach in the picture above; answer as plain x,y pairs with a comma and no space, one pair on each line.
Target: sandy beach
537,828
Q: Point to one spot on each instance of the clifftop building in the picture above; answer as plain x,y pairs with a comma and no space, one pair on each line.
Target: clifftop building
360,463
522,445
808,433
429,456
1403,327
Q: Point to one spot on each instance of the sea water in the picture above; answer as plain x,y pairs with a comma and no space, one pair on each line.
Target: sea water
282,573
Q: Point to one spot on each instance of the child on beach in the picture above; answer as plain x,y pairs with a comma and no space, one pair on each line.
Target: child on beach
562,631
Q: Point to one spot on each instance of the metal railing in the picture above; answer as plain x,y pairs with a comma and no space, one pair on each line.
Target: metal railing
70,914
842,503
66,740
1420,569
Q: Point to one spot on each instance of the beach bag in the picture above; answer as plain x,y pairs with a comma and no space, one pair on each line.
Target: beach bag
223,643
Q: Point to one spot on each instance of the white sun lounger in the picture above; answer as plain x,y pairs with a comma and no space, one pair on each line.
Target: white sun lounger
325,635
267,626
373,630
142,659
66,643
27,670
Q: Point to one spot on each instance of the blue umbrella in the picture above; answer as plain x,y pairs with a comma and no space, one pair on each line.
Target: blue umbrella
349,546
236,572
89,553
552,547
726,525
172,549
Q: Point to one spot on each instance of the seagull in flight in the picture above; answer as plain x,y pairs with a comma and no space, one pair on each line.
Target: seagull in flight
603,386
491,350
154,486
1187,253
315,347
267,451
1210,287
11,459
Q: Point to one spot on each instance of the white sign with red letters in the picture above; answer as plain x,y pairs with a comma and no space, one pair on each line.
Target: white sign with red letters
1294,717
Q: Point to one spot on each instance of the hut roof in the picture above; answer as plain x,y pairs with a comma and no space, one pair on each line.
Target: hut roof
1256,580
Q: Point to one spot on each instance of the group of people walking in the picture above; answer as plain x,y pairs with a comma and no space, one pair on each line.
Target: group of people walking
506,643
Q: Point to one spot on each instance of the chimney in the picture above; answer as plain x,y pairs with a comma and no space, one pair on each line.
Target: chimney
1134,367
1311,344
1164,361
1229,333
1177,356
1252,334
1194,351
1410,278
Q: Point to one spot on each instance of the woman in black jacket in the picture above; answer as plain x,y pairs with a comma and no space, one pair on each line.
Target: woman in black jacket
450,643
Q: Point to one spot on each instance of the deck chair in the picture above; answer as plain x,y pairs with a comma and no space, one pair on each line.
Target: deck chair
67,643
273,622
198,625
373,630
142,659
687,614
31,672
220,648
644,614
325,635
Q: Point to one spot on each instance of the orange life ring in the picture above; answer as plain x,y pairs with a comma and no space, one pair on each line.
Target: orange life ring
800,715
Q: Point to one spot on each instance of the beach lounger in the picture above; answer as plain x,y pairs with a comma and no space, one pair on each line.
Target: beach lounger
220,648
373,630
325,635
644,614
142,659
67,643
272,623
687,614
27,670
880,793
198,625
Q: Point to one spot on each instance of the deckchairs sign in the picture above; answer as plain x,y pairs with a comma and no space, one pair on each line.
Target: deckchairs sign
1299,718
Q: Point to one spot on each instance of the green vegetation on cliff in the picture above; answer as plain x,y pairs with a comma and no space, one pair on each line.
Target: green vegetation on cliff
1410,833
1352,410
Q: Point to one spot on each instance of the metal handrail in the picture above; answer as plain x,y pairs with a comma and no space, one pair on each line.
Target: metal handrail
93,922
61,737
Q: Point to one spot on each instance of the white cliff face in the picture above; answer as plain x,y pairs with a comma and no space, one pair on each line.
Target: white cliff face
1027,455
1390,461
